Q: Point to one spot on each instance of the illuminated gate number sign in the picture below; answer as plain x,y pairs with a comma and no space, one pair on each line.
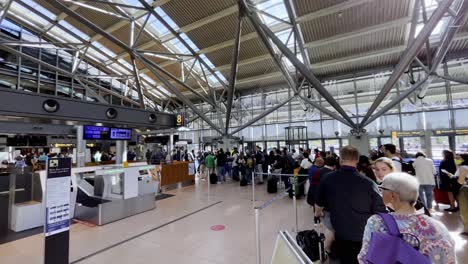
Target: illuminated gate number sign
180,120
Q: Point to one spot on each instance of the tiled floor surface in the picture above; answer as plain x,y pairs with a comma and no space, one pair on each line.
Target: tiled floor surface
189,239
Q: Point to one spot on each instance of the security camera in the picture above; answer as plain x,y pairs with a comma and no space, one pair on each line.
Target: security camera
51,106
381,131
111,113
337,133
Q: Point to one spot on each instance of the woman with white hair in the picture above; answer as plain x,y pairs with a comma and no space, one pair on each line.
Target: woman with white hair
400,190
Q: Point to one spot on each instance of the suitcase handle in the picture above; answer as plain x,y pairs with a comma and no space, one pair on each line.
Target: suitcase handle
317,220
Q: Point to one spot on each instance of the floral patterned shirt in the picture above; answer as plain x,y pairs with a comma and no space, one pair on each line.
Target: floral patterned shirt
435,239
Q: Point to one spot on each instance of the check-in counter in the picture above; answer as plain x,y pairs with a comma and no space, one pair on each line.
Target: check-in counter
99,194
177,174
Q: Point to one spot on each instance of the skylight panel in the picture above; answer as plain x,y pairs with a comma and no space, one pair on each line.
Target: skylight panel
275,8
27,16
74,29
62,35
167,18
158,26
40,8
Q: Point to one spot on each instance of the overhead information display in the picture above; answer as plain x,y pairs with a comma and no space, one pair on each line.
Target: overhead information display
106,133
96,132
121,134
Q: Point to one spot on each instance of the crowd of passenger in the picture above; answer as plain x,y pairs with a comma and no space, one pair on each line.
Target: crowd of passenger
349,191
354,193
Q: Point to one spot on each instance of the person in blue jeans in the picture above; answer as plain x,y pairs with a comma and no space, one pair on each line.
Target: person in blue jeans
221,160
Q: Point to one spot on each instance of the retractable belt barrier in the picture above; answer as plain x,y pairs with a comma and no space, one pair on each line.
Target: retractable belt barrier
258,208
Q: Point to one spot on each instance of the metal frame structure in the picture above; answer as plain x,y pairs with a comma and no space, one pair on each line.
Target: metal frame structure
279,51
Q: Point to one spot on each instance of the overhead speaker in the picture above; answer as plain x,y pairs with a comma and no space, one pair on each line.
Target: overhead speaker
111,113
50,105
152,118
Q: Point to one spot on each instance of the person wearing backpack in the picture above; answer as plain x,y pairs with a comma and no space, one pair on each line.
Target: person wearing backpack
235,165
351,200
259,160
405,236
390,152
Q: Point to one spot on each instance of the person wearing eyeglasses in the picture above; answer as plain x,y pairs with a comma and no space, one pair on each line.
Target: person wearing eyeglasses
401,190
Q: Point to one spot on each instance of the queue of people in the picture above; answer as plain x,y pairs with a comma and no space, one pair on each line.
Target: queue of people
358,197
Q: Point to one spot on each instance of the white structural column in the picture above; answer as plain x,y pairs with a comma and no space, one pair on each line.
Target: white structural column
80,147
361,142
121,151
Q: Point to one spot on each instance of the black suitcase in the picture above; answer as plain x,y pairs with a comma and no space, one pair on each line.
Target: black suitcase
243,181
272,185
312,242
213,178
299,189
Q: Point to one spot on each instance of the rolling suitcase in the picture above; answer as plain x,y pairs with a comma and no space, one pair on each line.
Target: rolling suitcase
272,185
213,178
243,181
312,242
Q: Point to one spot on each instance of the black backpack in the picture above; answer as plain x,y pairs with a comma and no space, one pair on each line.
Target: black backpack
407,167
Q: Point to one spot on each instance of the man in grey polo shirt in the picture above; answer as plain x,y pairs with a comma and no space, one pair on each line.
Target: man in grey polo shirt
351,199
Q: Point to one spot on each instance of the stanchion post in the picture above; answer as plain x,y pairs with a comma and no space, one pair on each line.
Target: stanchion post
209,183
295,207
253,188
257,234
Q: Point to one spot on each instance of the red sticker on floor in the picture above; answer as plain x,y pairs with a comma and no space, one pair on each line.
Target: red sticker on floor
217,227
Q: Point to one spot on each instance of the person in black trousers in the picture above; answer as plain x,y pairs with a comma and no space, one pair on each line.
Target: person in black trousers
446,183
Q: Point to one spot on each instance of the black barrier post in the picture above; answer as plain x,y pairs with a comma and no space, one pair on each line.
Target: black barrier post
57,222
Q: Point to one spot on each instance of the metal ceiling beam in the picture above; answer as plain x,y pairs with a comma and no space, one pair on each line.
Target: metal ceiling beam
122,45
113,4
73,8
453,79
276,28
297,32
234,68
153,66
179,94
327,41
332,10
189,48
5,9
411,29
454,24
263,29
262,115
396,101
202,22
408,57
68,74
99,10
284,70
136,75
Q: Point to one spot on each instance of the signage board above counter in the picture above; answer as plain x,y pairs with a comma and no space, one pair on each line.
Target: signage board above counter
398,134
106,133
450,132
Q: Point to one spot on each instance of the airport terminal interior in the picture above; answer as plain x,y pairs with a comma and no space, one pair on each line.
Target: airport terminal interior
233,131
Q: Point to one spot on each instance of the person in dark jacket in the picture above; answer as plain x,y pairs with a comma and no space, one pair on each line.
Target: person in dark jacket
221,160
448,165
351,199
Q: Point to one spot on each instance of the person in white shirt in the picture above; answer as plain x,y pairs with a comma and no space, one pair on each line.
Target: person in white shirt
295,155
390,152
306,163
425,171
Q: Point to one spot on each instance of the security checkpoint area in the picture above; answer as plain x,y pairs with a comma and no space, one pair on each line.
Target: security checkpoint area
234,131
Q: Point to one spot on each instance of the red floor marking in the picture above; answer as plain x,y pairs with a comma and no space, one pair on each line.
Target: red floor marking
218,228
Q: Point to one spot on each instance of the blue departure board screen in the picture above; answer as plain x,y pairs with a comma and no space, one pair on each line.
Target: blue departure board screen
121,133
96,132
